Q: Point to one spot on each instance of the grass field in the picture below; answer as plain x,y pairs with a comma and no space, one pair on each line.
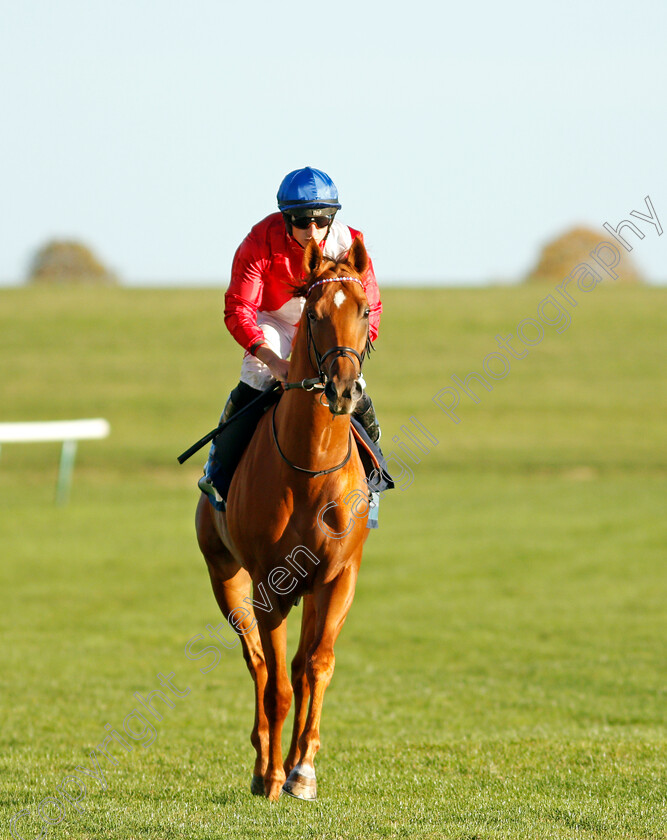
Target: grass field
502,671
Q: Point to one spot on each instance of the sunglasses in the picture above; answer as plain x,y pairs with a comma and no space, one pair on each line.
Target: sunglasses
303,222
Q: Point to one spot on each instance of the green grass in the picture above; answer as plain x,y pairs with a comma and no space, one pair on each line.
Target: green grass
502,671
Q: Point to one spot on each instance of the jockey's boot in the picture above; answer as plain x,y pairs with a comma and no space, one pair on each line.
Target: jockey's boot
365,414
238,398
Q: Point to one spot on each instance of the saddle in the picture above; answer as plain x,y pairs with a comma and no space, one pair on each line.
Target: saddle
235,435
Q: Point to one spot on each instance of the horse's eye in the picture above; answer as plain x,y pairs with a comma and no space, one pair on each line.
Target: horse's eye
367,312
311,315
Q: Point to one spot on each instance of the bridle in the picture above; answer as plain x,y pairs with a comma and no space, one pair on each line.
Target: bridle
319,382
339,351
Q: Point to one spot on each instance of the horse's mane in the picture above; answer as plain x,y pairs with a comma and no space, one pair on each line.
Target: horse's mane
300,288
318,267
328,268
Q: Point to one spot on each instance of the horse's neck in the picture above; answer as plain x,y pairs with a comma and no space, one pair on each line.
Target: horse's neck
309,434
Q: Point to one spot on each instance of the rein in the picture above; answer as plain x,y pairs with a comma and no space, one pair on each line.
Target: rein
303,469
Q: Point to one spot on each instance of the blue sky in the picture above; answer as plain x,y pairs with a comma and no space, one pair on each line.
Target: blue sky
461,138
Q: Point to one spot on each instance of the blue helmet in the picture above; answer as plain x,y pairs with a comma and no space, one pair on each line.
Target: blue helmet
307,188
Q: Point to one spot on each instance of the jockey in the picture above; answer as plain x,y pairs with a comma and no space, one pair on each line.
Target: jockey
261,313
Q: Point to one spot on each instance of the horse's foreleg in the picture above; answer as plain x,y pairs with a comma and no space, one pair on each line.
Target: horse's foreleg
300,681
231,585
332,604
277,696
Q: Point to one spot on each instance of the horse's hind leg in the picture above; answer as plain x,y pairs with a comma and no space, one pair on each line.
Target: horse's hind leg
300,682
231,584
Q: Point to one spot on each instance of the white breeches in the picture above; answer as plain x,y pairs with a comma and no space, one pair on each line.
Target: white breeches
278,335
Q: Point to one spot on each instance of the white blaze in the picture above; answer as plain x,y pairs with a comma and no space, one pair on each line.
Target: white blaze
339,297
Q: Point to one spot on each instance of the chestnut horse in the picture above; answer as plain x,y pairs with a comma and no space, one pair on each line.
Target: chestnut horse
286,530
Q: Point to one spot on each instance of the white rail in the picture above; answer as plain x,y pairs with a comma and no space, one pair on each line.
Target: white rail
67,431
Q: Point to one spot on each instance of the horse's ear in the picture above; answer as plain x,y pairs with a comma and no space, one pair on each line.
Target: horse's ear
358,257
312,258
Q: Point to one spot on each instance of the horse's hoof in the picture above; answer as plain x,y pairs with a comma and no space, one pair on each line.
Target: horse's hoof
257,786
301,783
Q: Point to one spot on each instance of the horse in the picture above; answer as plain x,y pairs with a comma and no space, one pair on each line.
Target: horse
286,531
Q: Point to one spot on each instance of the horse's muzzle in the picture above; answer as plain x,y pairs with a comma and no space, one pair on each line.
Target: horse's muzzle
342,396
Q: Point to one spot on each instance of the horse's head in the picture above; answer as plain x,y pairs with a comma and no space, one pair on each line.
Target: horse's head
336,320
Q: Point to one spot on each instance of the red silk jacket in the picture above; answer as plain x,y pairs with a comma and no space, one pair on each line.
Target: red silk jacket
266,263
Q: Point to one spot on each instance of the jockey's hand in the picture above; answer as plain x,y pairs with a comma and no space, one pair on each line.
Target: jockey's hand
279,369
275,364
